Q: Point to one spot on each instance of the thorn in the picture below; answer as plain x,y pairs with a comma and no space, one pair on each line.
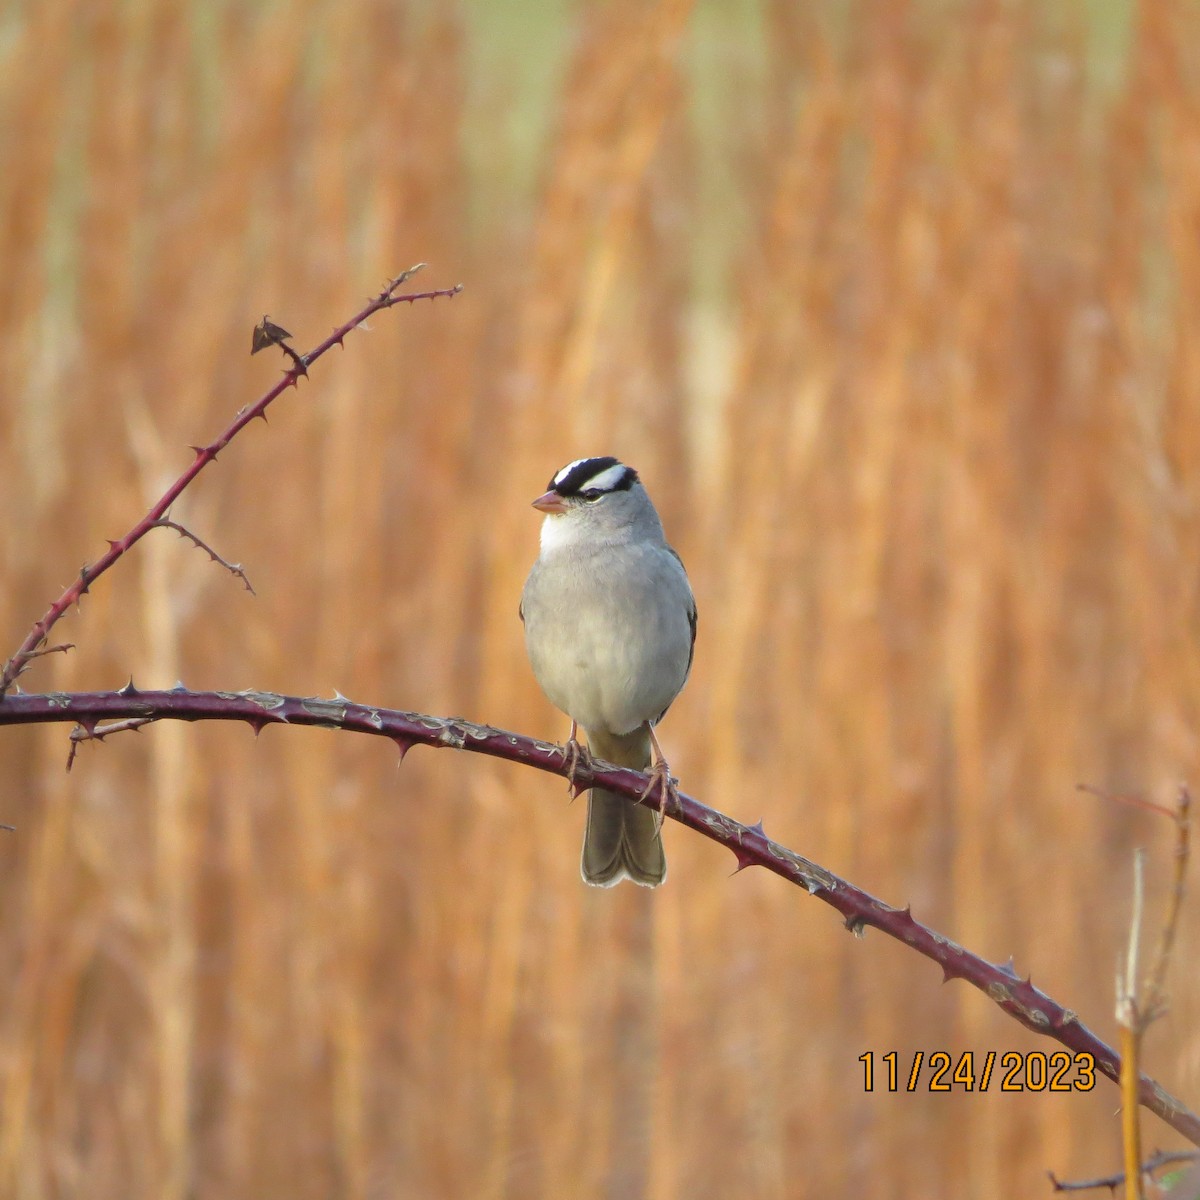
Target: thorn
757,827
128,689
179,686
113,545
404,745
338,696
1007,968
257,724
199,450
857,926
744,860
947,974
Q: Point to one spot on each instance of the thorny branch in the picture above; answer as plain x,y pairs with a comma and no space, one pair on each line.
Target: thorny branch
1156,1162
749,843
129,709
184,532
31,647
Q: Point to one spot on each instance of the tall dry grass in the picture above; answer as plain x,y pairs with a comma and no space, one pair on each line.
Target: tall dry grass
901,336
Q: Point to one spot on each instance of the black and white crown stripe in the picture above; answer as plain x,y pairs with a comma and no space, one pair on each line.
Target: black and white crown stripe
606,474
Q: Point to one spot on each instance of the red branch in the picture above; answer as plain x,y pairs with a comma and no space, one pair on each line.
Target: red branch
749,844
30,647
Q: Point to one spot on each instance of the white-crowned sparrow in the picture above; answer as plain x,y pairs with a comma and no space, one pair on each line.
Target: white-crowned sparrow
610,625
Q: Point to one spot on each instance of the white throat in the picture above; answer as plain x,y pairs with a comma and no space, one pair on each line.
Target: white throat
559,532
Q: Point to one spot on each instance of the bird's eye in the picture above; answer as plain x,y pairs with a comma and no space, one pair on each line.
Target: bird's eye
592,495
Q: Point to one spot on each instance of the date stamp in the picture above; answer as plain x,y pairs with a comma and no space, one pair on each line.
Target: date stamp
939,1071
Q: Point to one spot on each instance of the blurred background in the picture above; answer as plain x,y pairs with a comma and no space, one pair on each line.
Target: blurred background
895,307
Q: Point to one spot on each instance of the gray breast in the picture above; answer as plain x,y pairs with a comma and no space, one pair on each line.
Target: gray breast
608,632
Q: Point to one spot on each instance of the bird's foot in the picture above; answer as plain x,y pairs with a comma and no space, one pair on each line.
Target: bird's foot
668,791
660,776
575,756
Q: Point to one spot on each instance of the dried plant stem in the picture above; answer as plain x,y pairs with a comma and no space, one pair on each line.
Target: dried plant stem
1139,1006
31,646
1131,1025
749,844
1131,1126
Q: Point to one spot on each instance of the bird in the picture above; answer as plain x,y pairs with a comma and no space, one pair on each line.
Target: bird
610,631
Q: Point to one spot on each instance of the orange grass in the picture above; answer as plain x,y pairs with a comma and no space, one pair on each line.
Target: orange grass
926,437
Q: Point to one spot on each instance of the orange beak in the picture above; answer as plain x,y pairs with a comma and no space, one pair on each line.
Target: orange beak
550,502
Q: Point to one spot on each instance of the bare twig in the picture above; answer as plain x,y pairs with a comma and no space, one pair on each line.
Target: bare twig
60,649
1156,1162
1155,990
1124,798
184,532
32,645
97,733
749,844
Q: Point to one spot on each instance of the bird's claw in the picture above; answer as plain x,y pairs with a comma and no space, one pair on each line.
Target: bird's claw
575,756
668,791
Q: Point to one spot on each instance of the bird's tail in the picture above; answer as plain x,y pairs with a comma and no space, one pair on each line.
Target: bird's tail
622,839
